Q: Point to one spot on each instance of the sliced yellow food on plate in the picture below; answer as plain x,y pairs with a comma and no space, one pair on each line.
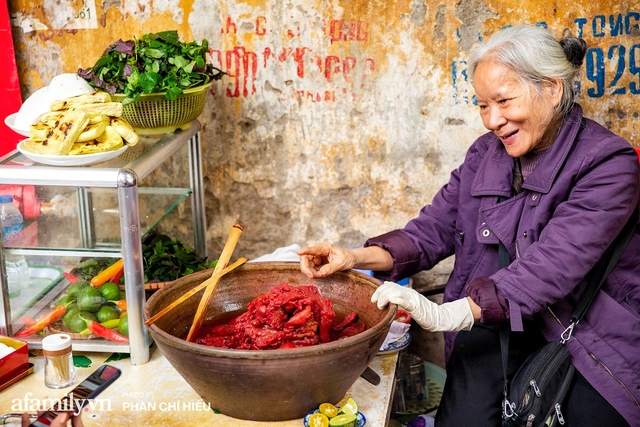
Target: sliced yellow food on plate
110,139
89,98
113,109
68,127
92,131
125,130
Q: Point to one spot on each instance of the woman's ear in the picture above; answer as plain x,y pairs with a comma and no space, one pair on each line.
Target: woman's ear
554,90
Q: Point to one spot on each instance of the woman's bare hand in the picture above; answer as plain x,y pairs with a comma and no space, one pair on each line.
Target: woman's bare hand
323,259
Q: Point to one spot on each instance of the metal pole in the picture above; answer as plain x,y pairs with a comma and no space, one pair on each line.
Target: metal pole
133,265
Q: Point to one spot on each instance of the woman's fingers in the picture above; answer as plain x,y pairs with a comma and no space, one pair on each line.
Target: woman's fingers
320,260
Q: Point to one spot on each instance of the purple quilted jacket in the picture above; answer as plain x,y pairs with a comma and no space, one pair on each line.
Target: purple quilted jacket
572,206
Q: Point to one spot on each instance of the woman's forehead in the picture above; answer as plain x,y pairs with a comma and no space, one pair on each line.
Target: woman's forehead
493,80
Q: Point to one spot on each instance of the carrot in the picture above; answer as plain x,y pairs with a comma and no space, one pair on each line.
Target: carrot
107,333
45,321
107,273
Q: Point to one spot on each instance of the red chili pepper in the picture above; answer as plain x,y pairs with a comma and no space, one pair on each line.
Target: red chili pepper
71,278
116,278
113,323
45,321
403,317
107,333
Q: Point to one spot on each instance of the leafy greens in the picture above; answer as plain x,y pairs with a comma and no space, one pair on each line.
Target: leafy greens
165,260
157,62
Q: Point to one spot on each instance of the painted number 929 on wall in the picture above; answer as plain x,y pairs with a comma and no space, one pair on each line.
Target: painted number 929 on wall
613,71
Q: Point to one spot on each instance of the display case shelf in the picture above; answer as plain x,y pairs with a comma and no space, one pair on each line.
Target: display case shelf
102,210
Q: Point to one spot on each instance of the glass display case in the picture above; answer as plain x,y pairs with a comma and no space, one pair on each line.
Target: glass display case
74,213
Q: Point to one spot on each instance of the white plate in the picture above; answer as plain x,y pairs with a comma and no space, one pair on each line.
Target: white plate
10,121
79,160
397,345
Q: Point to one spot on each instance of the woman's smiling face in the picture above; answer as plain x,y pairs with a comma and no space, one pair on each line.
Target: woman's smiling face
519,117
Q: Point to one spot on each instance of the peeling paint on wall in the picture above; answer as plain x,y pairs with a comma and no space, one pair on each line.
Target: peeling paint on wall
58,15
337,120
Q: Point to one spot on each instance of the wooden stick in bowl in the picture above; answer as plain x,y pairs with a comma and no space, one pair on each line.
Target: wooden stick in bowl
214,277
223,260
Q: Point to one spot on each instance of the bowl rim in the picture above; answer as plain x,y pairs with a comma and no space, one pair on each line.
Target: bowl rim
188,91
329,347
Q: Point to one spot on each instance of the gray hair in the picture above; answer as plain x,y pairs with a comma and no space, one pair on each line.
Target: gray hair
536,57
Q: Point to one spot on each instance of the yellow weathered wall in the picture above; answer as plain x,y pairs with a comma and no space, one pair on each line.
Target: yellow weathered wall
337,120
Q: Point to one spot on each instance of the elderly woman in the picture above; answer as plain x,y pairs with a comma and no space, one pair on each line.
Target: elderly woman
556,189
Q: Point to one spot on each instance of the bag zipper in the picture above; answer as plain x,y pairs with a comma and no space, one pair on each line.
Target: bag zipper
530,419
555,413
534,386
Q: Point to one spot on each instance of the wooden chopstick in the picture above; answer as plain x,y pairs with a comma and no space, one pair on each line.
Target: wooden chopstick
223,260
214,277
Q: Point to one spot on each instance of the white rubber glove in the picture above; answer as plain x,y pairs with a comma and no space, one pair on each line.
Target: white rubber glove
451,316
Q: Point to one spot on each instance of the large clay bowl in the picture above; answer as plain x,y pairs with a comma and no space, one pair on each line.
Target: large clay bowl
269,385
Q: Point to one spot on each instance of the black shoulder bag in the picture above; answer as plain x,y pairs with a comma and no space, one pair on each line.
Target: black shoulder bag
537,391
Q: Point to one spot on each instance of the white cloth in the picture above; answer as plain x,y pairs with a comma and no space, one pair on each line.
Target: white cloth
396,331
62,86
286,253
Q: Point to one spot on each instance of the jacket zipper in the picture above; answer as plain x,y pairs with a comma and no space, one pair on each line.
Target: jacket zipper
593,356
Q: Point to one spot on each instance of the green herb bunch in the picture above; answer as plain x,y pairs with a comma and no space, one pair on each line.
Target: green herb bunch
157,62
168,259
165,260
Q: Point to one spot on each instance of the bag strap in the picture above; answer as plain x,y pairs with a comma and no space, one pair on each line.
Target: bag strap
595,278
598,274
507,410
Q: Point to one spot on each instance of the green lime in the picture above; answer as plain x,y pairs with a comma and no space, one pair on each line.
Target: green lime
71,310
80,320
350,407
73,290
64,300
122,295
106,312
343,420
89,299
110,291
123,326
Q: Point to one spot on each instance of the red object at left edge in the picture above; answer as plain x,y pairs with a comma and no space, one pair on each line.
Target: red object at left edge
10,96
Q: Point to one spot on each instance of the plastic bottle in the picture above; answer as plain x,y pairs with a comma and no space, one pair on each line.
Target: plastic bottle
16,265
